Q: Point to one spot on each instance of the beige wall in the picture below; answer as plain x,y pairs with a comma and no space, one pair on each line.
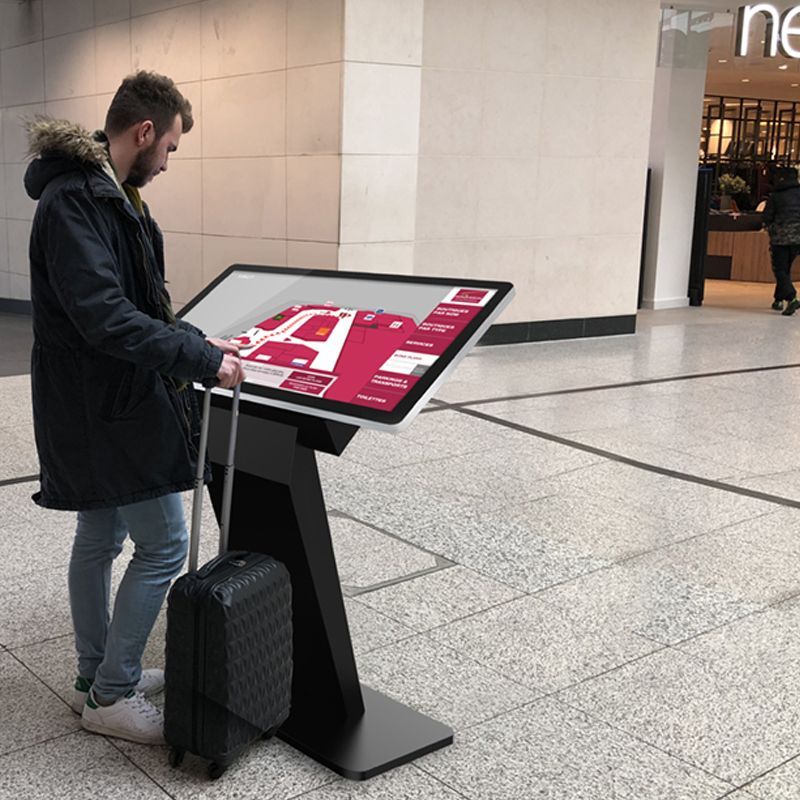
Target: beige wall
535,121
380,134
256,180
477,138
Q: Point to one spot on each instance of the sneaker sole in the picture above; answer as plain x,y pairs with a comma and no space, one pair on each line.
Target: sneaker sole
94,727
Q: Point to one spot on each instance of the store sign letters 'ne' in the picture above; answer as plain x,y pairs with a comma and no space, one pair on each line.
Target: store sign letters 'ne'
779,32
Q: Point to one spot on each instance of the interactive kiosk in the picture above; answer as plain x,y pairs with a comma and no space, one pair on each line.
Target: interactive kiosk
326,353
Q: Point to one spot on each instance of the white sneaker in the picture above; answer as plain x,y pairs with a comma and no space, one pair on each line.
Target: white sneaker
151,683
131,717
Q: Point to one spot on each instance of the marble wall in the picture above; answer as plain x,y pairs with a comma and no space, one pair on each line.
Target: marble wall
504,139
534,131
256,180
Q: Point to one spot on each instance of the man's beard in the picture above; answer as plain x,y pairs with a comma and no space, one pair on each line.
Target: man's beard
143,167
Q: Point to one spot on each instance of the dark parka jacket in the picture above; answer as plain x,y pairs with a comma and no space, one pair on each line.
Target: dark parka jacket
782,214
112,424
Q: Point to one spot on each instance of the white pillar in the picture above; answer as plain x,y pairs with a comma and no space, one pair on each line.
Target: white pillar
674,145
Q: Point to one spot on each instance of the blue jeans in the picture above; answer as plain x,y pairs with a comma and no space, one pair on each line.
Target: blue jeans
110,649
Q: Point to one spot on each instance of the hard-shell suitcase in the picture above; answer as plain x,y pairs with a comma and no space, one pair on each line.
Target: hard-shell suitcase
229,642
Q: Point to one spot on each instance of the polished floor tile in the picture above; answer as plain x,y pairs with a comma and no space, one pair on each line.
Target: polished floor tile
74,767
541,646
441,682
431,600
366,557
31,712
485,566
548,750
704,711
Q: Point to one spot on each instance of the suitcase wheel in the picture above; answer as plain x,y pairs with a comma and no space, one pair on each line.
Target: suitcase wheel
176,757
215,770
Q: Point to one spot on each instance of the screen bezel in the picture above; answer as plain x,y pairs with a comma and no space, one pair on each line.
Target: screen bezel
320,406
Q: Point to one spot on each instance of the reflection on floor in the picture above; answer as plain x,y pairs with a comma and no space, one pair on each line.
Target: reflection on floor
740,295
587,563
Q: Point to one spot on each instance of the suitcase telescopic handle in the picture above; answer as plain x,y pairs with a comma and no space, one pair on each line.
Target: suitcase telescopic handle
227,489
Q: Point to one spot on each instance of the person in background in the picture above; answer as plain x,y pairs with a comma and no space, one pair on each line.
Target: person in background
115,417
781,217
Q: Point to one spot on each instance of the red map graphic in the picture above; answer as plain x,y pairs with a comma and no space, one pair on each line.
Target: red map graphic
351,355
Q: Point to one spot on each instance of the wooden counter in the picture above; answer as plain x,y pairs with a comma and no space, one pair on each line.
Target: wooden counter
749,254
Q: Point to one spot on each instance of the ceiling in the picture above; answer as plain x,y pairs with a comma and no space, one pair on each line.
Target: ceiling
752,75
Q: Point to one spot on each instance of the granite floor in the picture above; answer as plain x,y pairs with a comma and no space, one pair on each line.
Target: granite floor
584,556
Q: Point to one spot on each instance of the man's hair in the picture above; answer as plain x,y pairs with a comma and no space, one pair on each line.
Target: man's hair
148,95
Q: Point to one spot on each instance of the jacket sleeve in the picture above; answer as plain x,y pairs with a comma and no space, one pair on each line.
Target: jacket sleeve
187,326
83,272
768,214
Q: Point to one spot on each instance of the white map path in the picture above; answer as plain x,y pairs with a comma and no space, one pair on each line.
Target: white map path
328,352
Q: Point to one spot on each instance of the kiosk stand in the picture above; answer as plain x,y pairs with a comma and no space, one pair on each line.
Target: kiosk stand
327,352
278,508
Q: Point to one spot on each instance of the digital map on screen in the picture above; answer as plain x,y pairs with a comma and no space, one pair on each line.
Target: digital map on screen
366,356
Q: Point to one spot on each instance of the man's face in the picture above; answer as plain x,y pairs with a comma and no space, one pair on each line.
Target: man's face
152,159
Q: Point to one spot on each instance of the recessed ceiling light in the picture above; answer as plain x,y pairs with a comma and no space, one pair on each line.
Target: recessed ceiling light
783,66
795,85
745,80
723,60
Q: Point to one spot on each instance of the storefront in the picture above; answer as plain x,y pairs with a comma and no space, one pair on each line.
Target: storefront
727,99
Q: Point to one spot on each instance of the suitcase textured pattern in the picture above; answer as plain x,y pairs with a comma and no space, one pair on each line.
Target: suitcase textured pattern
229,657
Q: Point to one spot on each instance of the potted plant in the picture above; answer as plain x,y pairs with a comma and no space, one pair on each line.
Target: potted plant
730,185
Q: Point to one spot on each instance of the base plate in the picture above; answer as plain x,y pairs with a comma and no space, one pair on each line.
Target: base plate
389,734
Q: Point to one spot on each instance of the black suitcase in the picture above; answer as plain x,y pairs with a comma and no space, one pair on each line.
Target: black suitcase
228,667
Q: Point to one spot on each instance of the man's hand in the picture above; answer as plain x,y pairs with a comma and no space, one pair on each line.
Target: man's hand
230,372
225,345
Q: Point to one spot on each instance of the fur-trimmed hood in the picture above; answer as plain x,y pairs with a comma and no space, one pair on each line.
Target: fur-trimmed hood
47,135
58,146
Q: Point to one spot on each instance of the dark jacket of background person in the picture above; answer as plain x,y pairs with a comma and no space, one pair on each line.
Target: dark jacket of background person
781,214
114,422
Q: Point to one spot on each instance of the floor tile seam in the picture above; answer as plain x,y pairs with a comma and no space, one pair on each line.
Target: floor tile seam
477,724
390,534
11,648
667,545
767,772
423,635
442,562
637,737
443,405
110,740
597,718
679,644
764,608
538,690
596,715
654,468
472,614
777,603
450,562
41,680
384,471
357,591
553,695
444,783
33,745
306,792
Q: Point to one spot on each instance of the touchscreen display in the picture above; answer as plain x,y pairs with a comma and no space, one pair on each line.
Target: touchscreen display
360,341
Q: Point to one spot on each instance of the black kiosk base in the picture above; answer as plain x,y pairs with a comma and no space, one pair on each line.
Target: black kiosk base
278,508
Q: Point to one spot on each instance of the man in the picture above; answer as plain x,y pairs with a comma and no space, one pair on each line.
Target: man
781,217
115,417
